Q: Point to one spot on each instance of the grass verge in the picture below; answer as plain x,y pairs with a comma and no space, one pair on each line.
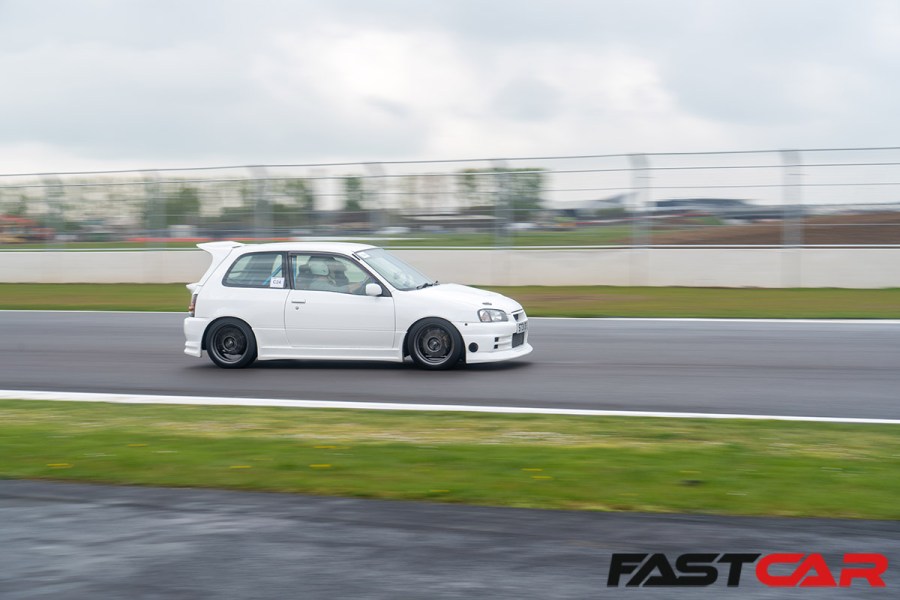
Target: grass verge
561,462
539,301
749,303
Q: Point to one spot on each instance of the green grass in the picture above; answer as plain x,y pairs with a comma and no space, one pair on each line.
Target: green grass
613,235
806,303
582,463
601,235
94,296
582,236
585,301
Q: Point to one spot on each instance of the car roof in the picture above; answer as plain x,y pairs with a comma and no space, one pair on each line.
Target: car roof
338,247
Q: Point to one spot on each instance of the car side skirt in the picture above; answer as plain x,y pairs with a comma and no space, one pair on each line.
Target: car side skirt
389,355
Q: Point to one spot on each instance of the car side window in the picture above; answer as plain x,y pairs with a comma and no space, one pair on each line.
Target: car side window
300,267
325,273
257,270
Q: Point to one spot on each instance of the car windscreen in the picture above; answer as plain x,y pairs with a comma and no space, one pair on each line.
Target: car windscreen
395,271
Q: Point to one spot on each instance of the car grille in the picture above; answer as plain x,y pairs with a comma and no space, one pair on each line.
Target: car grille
518,339
518,315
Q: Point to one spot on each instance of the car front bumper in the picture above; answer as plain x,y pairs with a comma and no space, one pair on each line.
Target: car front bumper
494,341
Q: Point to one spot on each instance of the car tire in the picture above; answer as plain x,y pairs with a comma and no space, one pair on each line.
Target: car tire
435,344
230,344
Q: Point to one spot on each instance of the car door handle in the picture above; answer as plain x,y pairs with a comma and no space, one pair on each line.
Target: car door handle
298,301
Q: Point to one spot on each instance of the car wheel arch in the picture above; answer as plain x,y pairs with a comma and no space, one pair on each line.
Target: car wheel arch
218,320
407,350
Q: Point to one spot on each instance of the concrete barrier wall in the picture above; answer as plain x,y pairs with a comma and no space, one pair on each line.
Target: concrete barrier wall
151,266
690,267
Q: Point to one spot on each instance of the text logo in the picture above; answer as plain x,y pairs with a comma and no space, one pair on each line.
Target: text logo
792,569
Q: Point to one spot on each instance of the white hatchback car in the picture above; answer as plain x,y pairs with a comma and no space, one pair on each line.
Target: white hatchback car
342,301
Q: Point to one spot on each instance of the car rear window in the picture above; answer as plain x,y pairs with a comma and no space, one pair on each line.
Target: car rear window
261,269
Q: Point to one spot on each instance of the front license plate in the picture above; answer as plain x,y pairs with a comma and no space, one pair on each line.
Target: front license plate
522,327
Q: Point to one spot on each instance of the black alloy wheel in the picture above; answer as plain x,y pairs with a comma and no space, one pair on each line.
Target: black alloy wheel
231,344
435,344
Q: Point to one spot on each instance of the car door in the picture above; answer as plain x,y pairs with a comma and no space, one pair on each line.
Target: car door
255,290
328,308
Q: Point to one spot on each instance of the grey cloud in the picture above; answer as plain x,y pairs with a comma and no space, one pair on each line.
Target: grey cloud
734,63
389,107
526,100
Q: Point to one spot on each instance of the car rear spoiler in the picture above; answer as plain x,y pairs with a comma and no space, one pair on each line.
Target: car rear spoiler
218,251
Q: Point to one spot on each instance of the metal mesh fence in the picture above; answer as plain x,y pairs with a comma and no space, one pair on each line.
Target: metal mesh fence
800,197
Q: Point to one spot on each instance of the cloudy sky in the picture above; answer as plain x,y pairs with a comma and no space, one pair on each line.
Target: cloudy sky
92,84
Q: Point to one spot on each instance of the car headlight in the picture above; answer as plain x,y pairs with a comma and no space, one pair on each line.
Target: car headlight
491,315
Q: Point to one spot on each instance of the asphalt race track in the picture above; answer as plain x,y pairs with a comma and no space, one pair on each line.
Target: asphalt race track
827,369
89,541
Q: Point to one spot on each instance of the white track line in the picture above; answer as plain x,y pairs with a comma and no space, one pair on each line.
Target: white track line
726,320
216,401
637,319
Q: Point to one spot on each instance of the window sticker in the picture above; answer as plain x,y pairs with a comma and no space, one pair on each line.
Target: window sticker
277,282
362,255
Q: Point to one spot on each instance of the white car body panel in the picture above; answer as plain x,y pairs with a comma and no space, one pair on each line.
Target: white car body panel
261,308
317,320
305,324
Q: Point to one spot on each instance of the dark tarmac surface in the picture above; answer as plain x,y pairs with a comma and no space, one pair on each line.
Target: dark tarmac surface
94,542
86,542
804,369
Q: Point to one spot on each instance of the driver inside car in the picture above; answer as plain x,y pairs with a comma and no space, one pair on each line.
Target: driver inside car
322,279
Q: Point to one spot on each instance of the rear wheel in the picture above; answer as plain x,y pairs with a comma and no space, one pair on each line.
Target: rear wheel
435,344
231,344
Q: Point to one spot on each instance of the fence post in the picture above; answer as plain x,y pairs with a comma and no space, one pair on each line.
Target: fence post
376,175
640,220
500,199
53,196
262,211
640,189
316,181
792,207
155,208
792,237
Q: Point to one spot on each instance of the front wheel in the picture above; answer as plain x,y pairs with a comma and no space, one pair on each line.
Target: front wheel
231,344
435,344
